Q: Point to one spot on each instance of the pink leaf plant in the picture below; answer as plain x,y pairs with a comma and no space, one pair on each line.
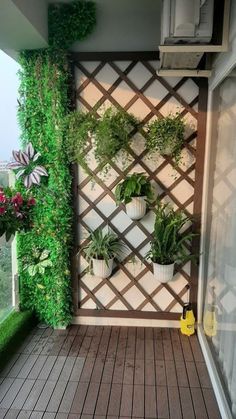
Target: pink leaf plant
25,162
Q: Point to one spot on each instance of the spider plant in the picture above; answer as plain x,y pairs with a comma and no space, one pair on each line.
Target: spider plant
101,250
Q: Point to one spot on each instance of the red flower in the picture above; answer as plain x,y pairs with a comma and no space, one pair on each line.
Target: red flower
2,197
31,202
2,210
17,199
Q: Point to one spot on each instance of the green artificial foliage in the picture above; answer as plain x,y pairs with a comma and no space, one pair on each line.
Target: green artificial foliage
133,186
169,241
166,136
70,22
13,331
44,103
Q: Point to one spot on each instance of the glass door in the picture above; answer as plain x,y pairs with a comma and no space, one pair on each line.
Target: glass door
219,316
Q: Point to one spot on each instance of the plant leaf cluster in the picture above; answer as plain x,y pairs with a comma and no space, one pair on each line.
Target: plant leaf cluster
107,135
166,136
169,242
113,133
103,246
134,185
79,129
70,22
41,262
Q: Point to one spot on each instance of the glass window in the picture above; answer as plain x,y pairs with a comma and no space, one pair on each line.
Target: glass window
9,140
219,320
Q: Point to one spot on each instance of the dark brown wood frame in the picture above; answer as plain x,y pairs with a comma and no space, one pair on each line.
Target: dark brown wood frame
199,167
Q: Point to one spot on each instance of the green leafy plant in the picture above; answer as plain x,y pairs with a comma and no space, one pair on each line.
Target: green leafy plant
169,243
41,262
134,185
113,134
166,136
79,128
15,212
103,246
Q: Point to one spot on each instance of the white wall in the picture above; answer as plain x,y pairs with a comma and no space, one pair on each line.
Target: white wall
225,61
23,25
124,25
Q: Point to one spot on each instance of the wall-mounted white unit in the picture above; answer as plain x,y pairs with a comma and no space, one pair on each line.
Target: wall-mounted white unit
187,21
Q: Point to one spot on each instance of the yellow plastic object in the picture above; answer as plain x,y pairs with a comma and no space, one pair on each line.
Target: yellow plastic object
210,322
187,321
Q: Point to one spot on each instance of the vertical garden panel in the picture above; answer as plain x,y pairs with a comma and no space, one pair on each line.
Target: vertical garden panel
134,86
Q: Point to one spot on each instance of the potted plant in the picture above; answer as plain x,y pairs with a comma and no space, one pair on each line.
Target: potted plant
134,191
112,134
79,130
168,244
166,136
15,212
101,251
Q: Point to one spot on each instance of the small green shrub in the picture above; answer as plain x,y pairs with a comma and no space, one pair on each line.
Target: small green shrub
134,185
168,244
166,136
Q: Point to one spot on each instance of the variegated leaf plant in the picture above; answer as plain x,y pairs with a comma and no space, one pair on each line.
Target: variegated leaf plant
24,160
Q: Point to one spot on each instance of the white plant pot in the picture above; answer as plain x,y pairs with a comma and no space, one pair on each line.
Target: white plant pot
163,273
101,269
136,209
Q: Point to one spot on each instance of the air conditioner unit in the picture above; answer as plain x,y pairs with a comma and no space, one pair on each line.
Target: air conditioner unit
187,21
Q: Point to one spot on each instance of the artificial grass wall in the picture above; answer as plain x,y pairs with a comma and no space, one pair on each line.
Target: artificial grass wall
13,330
44,102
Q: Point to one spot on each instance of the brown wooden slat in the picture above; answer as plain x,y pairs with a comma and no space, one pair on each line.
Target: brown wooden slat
198,403
127,314
115,55
186,403
174,403
115,400
150,402
126,400
138,401
103,399
162,402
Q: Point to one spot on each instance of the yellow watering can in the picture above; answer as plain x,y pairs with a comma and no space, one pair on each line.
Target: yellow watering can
187,320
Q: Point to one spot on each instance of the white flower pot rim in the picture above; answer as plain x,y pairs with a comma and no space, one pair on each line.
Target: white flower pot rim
163,264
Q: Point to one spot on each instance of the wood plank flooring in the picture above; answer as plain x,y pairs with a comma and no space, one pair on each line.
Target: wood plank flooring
90,372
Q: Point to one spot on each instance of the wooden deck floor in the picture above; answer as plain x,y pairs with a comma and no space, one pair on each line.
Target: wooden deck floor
107,372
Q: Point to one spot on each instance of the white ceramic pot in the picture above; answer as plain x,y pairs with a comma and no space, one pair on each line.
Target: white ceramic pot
136,209
101,269
163,273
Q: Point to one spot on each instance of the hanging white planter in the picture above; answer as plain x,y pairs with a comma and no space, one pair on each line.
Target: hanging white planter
136,209
163,273
101,268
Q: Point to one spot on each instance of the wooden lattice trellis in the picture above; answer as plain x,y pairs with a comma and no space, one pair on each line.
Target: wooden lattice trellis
134,85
